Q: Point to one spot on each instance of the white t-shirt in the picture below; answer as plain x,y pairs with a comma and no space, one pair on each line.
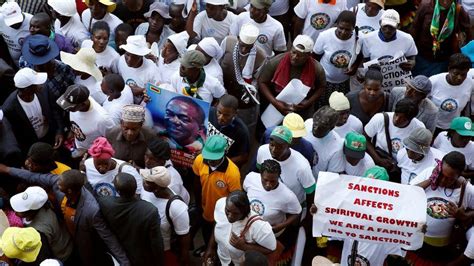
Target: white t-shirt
272,36
177,182
94,88
103,184
469,252
213,69
295,171
115,106
336,53
108,58
178,214
271,205
73,29
211,88
147,72
35,114
360,168
207,27
439,222
374,48
411,169
167,71
14,38
112,20
443,144
365,23
87,126
450,100
318,16
332,159
260,232
352,124
369,253
376,127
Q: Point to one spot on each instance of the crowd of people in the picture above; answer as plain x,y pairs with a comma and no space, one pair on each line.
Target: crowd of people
377,88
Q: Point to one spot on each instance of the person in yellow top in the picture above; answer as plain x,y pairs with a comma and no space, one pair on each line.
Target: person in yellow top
215,177
40,160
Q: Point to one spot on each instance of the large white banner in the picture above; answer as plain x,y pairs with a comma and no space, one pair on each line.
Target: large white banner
369,210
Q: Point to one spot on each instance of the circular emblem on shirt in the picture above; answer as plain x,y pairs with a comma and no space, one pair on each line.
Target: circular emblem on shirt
105,189
220,184
411,177
76,130
211,31
21,41
340,59
320,21
385,58
365,29
262,38
359,261
131,82
437,208
257,206
449,105
396,145
315,158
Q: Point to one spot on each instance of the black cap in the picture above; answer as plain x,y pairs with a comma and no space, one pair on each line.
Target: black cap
74,95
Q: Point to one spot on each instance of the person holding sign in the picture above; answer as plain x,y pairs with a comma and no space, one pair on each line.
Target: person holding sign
449,195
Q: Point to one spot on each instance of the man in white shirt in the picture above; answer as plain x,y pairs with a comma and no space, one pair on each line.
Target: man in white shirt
368,16
272,37
346,122
67,21
100,10
356,160
14,27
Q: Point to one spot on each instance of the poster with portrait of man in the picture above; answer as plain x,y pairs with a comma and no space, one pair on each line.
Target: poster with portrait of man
181,120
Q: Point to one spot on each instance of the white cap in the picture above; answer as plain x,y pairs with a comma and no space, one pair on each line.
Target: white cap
303,43
210,46
50,262
33,198
26,77
390,17
339,102
11,13
249,33
1,115
180,41
64,7
159,7
158,175
217,2
136,44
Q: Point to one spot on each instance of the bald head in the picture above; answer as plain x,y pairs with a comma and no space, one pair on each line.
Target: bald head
126,185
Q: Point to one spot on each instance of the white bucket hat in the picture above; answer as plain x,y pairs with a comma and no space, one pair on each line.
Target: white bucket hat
180,41
83,61
159,7
136,44
64,7
217,2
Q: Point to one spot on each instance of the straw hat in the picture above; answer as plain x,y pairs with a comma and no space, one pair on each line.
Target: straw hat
110,5
83,61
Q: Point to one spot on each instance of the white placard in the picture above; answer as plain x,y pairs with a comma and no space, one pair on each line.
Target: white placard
393,75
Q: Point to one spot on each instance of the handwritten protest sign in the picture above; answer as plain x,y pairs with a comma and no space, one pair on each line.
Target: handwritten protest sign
369,210
393,75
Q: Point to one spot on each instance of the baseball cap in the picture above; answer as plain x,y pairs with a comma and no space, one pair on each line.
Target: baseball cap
390,17
419,140
74,95
295,123
380,3
26,77
420,83
11,13
283,134
64,7
463,126
249,33
303,43
260,4
377,172
158,175
355,145
214,148
339,102
193,59
21,243
109,4
33,198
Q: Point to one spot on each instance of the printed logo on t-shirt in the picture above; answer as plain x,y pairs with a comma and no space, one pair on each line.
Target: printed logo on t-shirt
131,82
411,177
210,31
340,59
385,58
105,189
21,41
76,130
396,145
359,261
449,105
320,21
257,206
220,184
315,158
262,38
365,29
437,208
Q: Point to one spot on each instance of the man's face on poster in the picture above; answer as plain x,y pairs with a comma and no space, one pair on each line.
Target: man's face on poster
183,121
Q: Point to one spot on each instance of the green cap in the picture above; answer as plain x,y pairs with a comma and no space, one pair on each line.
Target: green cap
193,59
463,126
355,145
283,133
214,148
377,172
260,4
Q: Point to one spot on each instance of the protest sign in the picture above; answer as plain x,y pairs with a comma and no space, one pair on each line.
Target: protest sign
181,120
369,210
393,75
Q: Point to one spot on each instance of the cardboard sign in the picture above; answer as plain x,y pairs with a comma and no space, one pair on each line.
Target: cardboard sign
393,75
369,210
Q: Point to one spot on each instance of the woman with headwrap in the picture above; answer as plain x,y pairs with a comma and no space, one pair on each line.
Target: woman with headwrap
213,52
102,168
448,195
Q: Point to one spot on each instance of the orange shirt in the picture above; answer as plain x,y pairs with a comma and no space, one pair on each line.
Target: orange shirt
215,184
